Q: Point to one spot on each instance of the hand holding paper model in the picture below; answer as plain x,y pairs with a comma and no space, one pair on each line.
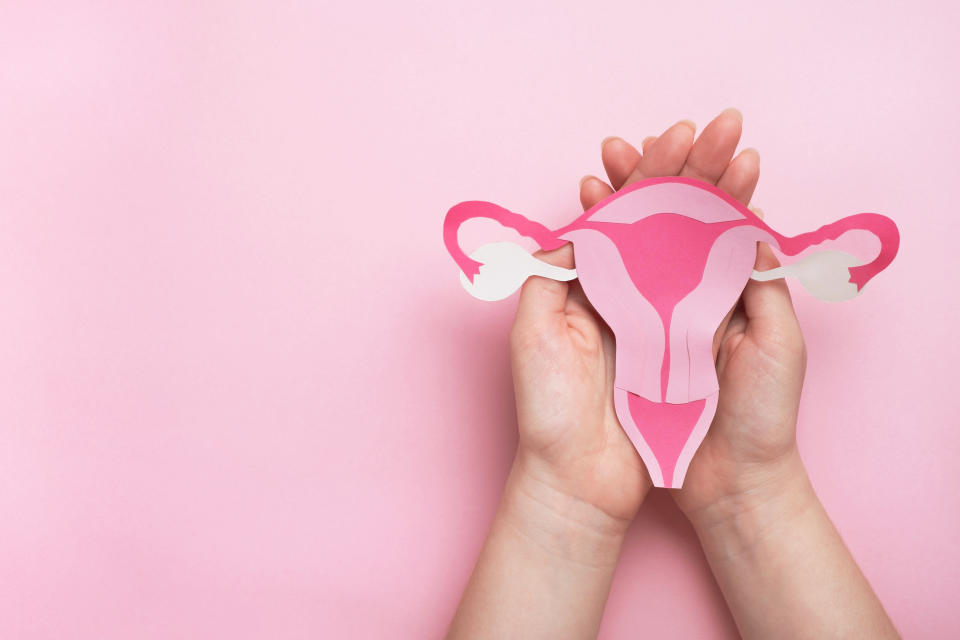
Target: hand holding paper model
663,261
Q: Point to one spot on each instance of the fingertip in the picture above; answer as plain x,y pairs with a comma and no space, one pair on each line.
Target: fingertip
732,112
593,190
766,304
764,261
608,139
741,176
619,158
540,297
560,257
714,148
682,133
666,155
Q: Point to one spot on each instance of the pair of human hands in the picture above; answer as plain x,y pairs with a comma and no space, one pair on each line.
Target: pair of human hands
562,356
549,559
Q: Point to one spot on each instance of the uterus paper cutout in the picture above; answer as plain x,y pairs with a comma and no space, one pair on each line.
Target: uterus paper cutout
663,261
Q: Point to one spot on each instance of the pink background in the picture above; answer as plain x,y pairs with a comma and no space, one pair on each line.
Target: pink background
241,390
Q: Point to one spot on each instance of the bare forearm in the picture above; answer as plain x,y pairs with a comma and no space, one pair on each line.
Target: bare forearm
545,569
784,569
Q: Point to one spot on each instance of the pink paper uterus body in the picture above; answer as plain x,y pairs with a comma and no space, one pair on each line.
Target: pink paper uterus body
663,284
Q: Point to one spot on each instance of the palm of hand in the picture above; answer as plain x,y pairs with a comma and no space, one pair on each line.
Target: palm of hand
760,365
563,364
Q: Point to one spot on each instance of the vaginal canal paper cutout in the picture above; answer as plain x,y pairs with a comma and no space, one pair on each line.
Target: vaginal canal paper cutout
663,261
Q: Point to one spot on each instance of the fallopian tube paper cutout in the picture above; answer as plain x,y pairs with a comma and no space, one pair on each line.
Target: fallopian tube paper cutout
663,261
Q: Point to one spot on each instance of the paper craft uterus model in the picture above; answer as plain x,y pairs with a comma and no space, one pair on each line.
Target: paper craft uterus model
663,261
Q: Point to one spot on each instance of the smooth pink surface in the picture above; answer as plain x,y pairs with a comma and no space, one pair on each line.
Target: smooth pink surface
242,393
665,256
666,428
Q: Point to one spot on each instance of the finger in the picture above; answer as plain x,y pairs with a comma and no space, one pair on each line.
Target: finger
647,142
667,154
736,326
593,190
767,305
620,158
712,151
722,331
735,320
542,300
741,176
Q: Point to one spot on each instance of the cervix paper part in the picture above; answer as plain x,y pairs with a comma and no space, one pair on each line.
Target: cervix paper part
663,261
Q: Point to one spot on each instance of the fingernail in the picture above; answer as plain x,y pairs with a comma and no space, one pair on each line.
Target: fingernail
689,123
584,179
733,111
604,142
646,141
757,211
754,151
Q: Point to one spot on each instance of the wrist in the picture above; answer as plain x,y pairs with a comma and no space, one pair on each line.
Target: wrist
564,525
767,501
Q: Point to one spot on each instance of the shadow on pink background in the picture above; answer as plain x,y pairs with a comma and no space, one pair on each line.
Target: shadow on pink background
242,393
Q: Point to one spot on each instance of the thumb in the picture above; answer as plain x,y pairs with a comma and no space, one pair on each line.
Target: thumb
768,305
543,299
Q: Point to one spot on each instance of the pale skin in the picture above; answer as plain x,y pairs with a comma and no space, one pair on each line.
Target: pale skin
577,482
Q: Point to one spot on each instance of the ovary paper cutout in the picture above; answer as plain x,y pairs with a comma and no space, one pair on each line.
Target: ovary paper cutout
663,261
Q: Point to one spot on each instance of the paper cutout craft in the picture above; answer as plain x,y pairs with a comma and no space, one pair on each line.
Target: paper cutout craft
663,261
